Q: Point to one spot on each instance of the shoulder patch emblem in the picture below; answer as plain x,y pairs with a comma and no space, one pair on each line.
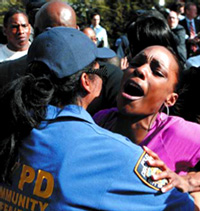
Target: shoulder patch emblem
144,172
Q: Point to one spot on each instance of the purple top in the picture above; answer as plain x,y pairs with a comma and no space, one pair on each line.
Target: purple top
175,140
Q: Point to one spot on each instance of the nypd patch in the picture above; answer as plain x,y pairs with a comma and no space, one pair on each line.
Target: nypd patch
144,172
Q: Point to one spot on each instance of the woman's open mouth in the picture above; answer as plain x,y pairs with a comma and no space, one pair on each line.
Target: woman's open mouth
132,91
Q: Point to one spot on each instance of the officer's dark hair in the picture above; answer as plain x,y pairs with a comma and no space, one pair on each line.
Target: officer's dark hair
23,105
10,13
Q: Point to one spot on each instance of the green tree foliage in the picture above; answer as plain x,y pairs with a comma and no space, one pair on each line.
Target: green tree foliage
115,15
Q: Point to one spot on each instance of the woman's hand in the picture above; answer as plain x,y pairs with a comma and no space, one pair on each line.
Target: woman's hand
124,63
187,183
175,180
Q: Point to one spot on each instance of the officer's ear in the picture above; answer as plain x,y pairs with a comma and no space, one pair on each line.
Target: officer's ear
86,82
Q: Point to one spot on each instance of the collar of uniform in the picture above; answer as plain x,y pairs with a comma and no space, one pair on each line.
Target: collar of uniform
69,111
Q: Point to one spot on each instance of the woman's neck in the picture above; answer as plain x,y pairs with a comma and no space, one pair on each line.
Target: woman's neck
133,128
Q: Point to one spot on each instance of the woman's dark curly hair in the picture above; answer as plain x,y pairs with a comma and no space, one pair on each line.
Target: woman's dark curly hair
149,29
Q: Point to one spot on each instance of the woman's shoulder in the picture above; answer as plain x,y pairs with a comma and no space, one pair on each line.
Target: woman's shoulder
181,127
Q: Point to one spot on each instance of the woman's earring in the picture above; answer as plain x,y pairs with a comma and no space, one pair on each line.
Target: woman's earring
167,109
167,112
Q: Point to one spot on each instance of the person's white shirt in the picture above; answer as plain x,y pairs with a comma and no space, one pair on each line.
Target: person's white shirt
7,54
101,35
